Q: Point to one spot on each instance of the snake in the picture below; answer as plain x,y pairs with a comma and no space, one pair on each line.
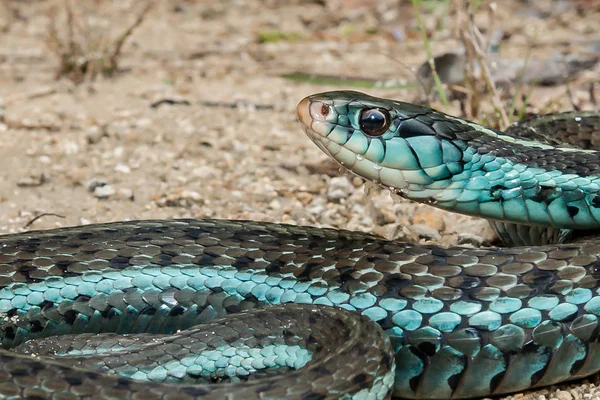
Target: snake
228,309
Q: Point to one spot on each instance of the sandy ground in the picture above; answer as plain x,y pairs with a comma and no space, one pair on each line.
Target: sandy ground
98,152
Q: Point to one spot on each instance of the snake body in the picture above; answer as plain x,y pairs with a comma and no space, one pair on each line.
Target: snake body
241,309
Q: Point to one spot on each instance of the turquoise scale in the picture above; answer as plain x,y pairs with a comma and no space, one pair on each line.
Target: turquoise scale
422,323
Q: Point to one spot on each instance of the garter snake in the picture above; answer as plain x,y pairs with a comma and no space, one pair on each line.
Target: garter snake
140,309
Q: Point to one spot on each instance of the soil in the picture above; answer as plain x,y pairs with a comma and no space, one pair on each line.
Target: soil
229,145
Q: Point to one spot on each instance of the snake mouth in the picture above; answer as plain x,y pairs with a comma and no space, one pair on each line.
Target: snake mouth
334,151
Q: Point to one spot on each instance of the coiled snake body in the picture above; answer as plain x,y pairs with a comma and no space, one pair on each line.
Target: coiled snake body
450,322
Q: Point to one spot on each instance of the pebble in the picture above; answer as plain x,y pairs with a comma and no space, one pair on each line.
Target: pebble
94,183
143,122
317,206
70,147
431,217
274,204
101,189
471,239
426,232
383,216
180,198
104,192
339,187
563,395
304,197
126,194
396,232
94,134
206,172
122,168
381,206
32,180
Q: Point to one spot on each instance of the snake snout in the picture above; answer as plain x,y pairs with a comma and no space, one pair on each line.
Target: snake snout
303,111
313,114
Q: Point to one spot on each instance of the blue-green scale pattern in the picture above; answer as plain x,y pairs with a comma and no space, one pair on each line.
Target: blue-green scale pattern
164,277
511,318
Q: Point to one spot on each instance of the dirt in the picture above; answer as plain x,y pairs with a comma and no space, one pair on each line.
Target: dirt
230,146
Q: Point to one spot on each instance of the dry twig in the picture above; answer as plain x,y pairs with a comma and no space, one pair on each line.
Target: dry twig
83,50
476,51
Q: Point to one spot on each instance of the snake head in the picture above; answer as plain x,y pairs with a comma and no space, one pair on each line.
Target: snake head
404,147
454,164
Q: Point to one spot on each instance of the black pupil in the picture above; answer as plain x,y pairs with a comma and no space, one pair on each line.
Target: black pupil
374,121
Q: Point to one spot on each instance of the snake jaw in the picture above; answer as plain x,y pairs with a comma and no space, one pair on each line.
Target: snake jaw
325,143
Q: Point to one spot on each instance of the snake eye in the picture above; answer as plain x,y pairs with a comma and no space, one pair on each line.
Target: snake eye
374,121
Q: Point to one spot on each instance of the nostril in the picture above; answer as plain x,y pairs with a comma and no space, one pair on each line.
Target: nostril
319,110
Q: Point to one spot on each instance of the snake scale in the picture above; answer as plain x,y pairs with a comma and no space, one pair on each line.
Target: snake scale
141,309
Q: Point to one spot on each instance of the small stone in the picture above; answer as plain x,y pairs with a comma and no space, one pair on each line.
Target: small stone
206,172
430,217
471,239
180,198
339,187
381,207
274,204
383,216
94,134
396,232
426,232
239,147
576,395
563,395
285,218
122,168
143,122
32,180
126,194
94,183
70,147
104,192
317,206
304,197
